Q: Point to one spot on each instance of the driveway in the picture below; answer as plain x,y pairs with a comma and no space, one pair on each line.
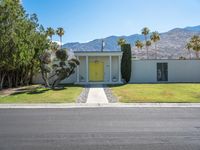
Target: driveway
100,129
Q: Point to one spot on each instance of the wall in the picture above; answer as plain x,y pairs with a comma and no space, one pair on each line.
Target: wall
178,71
82,69
115,67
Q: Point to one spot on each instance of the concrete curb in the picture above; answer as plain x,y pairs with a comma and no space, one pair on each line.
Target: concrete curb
110,105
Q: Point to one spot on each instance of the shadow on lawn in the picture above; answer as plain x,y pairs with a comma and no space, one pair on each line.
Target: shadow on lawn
40,89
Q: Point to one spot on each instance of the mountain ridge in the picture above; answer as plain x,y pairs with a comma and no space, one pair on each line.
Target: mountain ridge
171,45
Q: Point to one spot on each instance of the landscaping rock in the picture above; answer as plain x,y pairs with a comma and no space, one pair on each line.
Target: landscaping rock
111,98
83,96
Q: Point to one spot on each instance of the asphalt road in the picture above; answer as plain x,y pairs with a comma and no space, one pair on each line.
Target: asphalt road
100,129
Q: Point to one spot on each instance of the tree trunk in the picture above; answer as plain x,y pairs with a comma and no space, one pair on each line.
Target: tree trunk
197,54
155,51
190,54
2,80
61,42
147,52
146,47
45,78
10,81
16,79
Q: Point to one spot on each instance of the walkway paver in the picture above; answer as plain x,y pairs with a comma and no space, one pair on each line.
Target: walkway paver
97,95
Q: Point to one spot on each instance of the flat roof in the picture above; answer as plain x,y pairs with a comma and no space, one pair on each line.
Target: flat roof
97,51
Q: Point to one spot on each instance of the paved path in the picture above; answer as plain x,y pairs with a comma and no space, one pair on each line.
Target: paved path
97,95
100,129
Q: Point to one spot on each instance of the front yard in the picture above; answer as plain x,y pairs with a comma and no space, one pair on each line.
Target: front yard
38,94
157,93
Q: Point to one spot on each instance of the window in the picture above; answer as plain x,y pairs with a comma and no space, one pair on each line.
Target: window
162,71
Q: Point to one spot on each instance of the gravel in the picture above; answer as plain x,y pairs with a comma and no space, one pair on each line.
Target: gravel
110,96
83,96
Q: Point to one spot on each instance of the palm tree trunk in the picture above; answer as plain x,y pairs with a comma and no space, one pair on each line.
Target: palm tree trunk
61,42
147,49
197,54
155,51
190,54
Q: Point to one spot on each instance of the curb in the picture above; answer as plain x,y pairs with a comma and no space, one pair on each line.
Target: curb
110,105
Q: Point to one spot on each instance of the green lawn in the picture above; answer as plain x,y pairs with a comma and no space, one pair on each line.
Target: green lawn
35,94
157,93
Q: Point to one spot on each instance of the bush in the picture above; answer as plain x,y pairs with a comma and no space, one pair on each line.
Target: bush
126,62
62,54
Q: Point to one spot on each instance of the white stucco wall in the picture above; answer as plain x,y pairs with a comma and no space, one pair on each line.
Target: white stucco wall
178,71
115,67
82,69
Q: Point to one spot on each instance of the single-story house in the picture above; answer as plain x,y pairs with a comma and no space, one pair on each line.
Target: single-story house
105,68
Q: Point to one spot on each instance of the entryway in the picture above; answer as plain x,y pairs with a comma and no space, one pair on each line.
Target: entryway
96,71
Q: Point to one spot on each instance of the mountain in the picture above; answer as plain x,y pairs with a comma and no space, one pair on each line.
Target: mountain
196,28
171,45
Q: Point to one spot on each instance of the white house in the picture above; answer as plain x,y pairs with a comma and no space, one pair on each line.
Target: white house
105,68
99,67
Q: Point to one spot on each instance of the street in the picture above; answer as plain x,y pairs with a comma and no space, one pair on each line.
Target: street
100,129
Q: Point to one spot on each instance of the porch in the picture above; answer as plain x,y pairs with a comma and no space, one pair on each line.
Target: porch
99,67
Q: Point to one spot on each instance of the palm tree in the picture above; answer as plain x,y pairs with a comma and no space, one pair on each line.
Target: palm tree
54,46
147,44
145,32
189,47
139,44
60,32
195,42
121,41
155,37
50,32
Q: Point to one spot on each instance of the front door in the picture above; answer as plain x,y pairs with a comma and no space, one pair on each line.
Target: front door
162,72
96,71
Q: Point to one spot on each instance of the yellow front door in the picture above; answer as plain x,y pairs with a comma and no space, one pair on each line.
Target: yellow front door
96,71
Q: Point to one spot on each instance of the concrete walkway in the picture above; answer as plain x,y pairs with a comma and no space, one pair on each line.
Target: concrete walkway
96,95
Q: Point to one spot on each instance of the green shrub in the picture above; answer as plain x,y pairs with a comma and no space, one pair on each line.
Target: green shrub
126,62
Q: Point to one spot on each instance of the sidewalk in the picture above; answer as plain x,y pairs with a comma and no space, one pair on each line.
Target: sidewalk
108,105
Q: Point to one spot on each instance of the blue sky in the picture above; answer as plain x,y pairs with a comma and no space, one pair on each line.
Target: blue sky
85,20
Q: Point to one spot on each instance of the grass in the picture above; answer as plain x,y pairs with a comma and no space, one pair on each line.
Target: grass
38,94
158,93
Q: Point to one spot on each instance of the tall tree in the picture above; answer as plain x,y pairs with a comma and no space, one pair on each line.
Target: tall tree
50,32
54,46
21,40
60,32
139,44
195,42
189,47
126,62
145,32
148,44
155,37
121,41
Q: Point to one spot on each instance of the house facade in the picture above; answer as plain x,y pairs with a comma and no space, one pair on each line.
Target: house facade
99,67
105,68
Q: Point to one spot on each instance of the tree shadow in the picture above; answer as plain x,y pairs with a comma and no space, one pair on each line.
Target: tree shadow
38,91
30,90
41,89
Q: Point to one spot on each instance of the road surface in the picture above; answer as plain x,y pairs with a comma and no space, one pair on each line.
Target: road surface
100,129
